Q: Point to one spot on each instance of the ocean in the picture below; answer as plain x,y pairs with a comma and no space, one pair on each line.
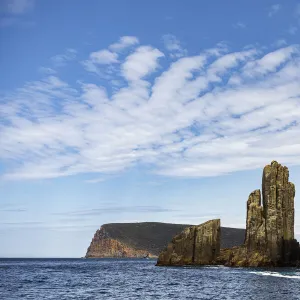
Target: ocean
140,279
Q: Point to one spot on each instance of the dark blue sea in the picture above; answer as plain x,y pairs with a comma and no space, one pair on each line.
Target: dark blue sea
139,279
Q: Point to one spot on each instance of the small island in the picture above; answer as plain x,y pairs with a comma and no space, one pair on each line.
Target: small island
269,238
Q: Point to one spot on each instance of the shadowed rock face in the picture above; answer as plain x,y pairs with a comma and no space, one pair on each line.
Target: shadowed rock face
198,245
255,223
270,228
269,238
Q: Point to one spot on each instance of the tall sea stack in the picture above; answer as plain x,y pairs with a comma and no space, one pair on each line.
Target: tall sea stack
270,224
269,238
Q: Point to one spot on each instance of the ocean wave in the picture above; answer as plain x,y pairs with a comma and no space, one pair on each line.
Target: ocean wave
276,274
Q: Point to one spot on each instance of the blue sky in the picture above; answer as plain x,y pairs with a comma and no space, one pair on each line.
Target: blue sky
124,111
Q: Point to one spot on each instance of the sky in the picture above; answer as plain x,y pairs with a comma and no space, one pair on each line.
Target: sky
132,111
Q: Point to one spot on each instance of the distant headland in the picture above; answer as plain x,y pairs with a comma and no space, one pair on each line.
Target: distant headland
146,239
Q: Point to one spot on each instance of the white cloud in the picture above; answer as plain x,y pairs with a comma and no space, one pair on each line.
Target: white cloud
104,57
204,115
17,7
107,57
172,44
124,42
270,62
274,10
140,63
98,60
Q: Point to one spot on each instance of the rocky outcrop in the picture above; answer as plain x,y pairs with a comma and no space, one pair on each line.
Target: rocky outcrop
269,238
278,202
195,245
270,224
138,239
255,223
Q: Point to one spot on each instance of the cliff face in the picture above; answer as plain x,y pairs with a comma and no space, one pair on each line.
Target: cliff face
140,239
278,201
103,245
270,224
269,238
195,245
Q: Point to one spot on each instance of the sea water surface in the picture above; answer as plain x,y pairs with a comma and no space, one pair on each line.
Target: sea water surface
140,279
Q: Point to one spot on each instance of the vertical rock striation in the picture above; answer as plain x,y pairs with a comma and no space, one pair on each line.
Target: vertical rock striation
103,245
269,238
195,245
270,222
255,223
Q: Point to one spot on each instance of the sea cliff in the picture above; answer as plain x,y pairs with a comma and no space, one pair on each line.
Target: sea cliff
118,240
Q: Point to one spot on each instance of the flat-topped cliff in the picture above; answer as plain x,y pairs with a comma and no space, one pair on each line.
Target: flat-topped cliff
195,245
145,239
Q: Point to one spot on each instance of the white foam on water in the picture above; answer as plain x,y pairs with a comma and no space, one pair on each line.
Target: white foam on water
276,274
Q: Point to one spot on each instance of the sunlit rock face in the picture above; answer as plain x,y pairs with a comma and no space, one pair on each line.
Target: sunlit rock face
196,245
103,246
278,201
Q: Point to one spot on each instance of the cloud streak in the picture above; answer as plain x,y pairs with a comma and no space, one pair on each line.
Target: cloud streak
117,210
274,10
204,115
14,13
17,7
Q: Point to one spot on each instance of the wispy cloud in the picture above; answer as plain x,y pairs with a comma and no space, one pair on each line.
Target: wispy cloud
12,210
47,71
14,13
204,115
173,45
107,57
61,59
274,9
102,178
25,223
140,63
239,25
297,11
117,210
280,43
124,42
17,7
292,30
